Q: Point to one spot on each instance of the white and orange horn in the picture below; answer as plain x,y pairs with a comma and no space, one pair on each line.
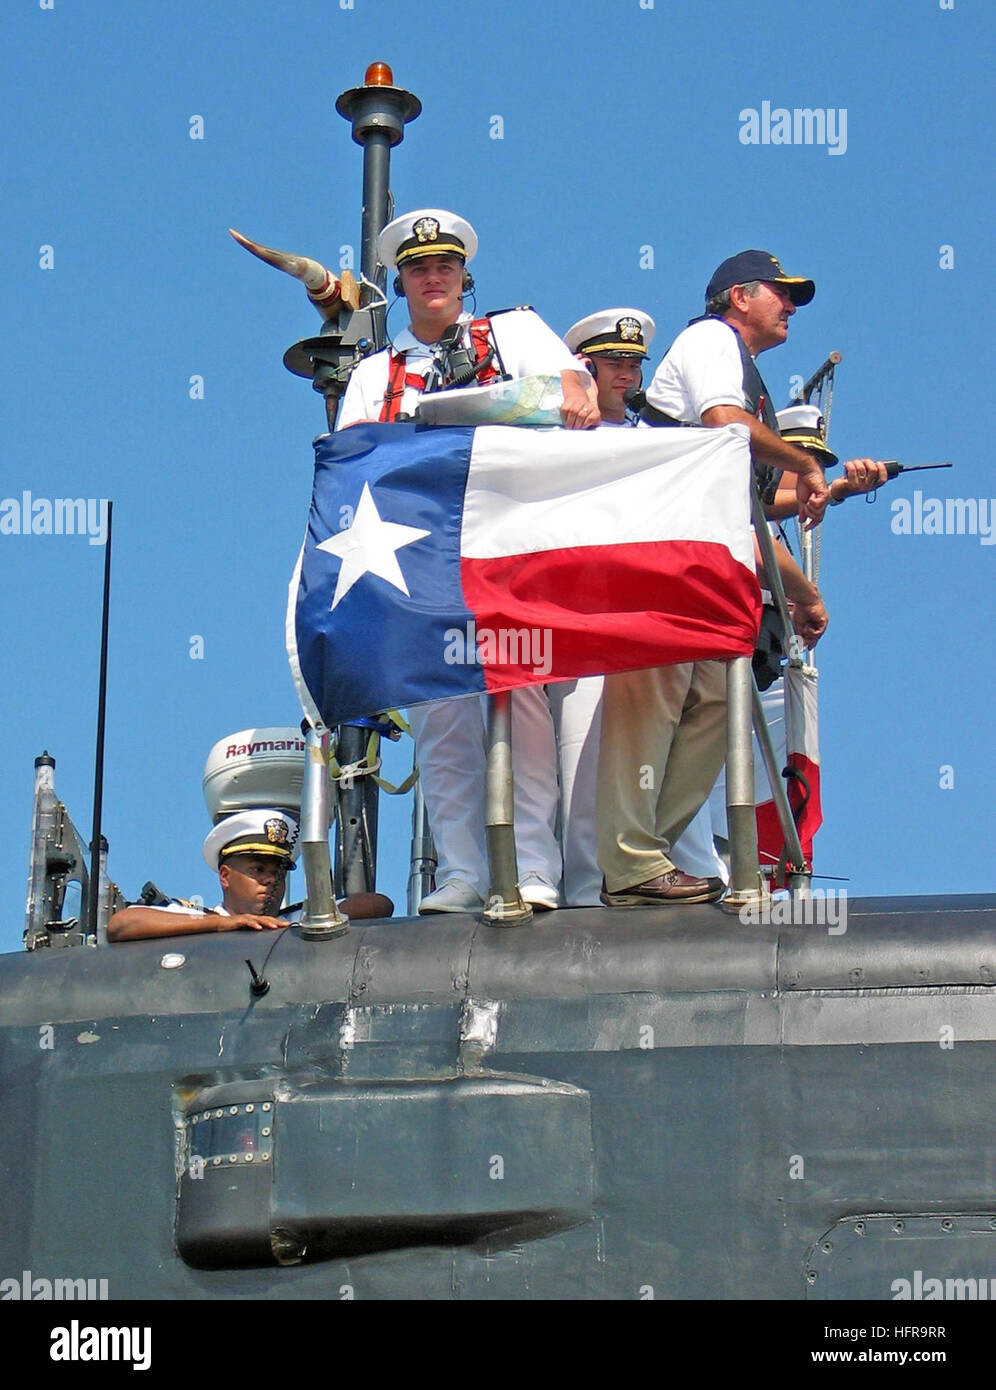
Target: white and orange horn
325,290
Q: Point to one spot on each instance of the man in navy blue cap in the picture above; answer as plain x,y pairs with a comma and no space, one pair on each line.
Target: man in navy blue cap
709,377
673,718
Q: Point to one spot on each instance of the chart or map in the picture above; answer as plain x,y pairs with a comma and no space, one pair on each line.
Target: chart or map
531,400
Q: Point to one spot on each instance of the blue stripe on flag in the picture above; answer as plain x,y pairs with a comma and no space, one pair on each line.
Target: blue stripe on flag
380,648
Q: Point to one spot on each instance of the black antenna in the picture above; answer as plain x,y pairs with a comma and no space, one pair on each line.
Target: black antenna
98,771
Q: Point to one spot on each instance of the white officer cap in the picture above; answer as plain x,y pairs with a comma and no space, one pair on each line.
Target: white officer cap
426,232
265,831
800,417
803,425
628,331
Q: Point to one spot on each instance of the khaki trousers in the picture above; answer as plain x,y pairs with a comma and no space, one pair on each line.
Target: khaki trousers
663,744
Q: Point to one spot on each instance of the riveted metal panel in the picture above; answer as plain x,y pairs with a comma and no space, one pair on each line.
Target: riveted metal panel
906,1257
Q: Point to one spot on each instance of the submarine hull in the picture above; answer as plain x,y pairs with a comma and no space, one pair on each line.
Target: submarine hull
609,1104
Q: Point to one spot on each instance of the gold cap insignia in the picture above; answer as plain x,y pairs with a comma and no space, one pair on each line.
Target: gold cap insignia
277,831
426,229
629,330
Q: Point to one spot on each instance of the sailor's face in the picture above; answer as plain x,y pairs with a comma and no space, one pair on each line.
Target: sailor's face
768,314
246,880
617,375
433,285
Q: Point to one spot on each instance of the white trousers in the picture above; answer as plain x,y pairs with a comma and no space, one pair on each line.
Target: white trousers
577,717
451,750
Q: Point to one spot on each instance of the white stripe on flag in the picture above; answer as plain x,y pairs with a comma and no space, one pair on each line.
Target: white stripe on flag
532,490
802,709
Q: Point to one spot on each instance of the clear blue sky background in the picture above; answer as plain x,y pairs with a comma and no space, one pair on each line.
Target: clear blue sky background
621,130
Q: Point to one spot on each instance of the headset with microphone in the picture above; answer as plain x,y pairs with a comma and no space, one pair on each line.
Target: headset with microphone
634,398
468,288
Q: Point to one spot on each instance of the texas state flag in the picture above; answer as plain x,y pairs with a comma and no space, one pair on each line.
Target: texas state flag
450,561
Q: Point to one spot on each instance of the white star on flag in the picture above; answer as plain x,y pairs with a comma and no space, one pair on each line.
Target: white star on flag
368,547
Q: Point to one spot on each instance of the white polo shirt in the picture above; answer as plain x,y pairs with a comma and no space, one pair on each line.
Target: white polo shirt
702,368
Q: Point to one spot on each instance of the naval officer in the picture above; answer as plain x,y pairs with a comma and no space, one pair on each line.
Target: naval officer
429,249
252,853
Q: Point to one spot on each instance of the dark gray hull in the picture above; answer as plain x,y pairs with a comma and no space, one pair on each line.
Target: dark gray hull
607,1104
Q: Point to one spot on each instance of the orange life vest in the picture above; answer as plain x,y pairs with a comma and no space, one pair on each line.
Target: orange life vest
398,378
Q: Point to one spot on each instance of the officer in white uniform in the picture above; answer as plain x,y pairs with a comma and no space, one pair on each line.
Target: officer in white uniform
613,344
430,249
252,853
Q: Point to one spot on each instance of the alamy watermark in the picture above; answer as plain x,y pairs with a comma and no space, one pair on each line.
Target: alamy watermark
28,1287
76,1343
929,1288
800,126
944,516
528,647
54,516
820,907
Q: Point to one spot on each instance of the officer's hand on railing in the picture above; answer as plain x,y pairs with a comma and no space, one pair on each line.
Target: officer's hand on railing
810,620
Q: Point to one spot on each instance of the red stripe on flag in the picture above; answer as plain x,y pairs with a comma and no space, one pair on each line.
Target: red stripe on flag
770,841
609,608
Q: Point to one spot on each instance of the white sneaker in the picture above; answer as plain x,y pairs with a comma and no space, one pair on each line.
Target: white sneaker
452,896
539,893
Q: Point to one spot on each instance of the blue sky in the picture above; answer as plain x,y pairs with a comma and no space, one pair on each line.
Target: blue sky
620,131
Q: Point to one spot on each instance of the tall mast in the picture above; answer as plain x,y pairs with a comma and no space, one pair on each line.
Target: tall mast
379,112
354,326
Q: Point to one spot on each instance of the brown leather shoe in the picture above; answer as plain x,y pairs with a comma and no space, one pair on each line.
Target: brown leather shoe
672,887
